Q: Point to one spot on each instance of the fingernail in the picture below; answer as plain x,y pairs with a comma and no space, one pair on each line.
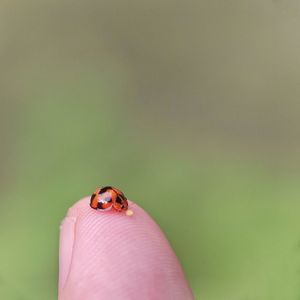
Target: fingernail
67,234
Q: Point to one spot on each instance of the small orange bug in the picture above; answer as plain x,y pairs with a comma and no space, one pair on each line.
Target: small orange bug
109,197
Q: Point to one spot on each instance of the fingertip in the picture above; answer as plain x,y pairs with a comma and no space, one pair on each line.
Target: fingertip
114,256
78,207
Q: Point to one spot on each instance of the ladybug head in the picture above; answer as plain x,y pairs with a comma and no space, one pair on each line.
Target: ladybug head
121,203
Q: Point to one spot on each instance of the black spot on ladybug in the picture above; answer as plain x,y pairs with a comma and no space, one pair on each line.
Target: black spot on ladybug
100,205
104,189
119,200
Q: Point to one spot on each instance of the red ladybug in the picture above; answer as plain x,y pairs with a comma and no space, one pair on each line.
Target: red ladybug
109,197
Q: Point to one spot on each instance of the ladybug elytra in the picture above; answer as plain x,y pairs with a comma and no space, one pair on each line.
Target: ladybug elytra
109,197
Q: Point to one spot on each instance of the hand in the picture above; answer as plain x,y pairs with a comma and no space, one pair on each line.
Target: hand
111,256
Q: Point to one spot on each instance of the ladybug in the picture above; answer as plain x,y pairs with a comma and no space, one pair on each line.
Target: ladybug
109,197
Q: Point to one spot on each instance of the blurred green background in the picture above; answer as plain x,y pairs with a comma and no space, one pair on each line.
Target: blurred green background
190,107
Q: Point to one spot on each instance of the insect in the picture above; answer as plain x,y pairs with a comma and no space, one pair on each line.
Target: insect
108,197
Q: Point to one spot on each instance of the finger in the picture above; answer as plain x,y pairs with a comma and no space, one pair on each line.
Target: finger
108,255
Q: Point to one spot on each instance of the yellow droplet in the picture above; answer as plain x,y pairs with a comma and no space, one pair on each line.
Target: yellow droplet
129,212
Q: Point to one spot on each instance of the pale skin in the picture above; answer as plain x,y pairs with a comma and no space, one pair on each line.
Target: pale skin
112,256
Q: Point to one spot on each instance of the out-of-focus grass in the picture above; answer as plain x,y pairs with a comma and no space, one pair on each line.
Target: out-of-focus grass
233,225
191,110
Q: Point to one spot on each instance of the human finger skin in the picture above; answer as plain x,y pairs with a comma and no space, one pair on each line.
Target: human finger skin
108,255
